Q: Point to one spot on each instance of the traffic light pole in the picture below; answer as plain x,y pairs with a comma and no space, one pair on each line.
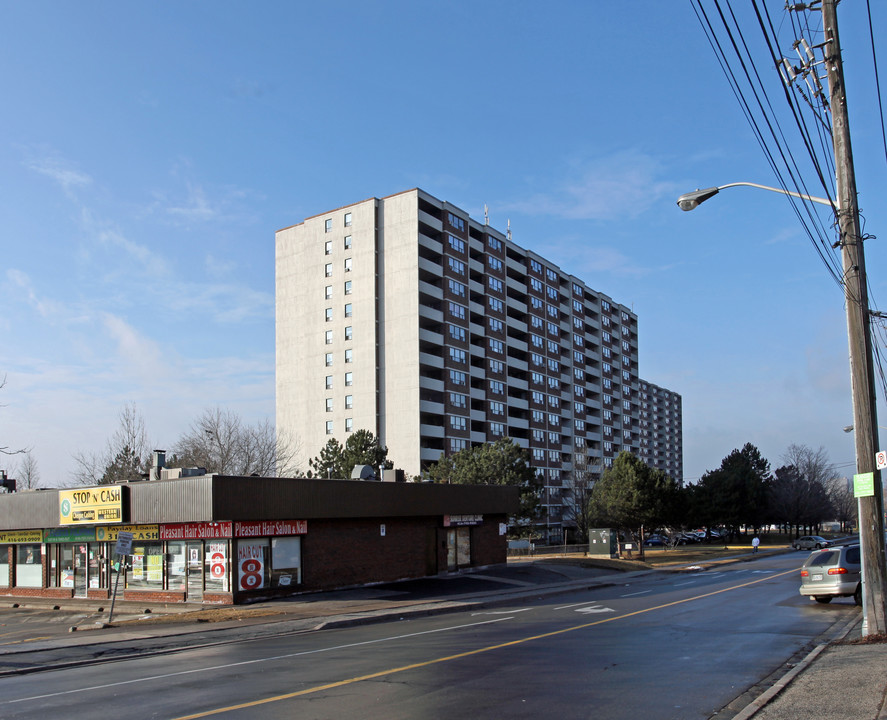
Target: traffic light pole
871,508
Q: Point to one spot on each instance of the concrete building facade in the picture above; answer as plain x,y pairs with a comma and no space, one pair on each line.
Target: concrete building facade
406,317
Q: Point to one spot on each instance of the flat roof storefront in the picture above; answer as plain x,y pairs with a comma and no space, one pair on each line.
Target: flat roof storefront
221,539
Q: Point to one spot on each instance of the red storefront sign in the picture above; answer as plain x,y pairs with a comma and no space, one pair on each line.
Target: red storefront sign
270,528
196,531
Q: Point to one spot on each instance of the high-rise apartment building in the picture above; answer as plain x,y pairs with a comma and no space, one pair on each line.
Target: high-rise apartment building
662,440
406,317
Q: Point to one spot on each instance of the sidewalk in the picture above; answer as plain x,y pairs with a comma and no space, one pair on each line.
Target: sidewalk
837,680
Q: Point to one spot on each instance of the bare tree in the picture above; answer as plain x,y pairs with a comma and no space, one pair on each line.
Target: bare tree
220,442
579,484
4,449
126,458
814,465
845,504
26,473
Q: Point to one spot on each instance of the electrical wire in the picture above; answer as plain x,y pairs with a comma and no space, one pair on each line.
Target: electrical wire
868,6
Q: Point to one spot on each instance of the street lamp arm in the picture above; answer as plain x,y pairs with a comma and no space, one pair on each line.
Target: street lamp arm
692,200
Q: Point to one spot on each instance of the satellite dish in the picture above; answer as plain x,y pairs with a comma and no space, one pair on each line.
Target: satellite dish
363,472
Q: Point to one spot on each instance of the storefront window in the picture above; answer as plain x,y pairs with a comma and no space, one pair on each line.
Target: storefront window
216,557
28,566
146,572
252,564
4,565
176,576
286,561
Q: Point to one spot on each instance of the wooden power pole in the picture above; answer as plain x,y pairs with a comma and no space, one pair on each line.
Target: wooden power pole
871,508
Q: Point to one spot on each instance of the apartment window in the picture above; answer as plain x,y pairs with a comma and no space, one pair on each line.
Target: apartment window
538,436
497,367
456,243
554,366
577,306
328,292
538,416
536,359
457,266
328,358
347,264
553,438
535,266
347,287
578,340
349,402
457,378
538,454
553,419
536,303
349,379
497,408
578,408
457,310
494,263
605,305
494,243
348,333
551,310
328,270
458,444
328,314
458,400
349,424
348,219
553,347
328,225
497,388
328,247
608,383
457,422
347,309
497,429
605,337
579,374
456,287
329,382
536,284
537,322
349,354
456,332
497,346
554,401
537,341
329,404
579,425
578,357
455,221
329,427
553,329
457,355
607,367
537,397
537,378
554,384
496,304
579,390
328,337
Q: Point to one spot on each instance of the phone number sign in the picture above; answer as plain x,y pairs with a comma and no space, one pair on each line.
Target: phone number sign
91,505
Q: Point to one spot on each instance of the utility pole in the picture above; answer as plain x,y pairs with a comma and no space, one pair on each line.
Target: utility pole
871,509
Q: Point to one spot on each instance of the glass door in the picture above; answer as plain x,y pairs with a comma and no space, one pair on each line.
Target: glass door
81,567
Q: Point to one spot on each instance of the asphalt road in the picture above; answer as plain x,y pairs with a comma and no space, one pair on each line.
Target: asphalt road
683,645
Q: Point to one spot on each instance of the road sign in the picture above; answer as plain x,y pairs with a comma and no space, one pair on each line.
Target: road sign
124,543
881,460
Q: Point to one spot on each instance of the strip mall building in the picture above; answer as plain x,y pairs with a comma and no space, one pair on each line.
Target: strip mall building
229,540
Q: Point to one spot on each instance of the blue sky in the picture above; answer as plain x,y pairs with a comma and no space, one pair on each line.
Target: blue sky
148,153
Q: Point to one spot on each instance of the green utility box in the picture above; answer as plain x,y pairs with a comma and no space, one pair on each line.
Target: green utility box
603,542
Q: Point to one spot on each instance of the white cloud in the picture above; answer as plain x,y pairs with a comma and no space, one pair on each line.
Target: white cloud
621,185
60,171
45,307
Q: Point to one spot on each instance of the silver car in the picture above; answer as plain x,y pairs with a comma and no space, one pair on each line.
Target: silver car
833,572
810,542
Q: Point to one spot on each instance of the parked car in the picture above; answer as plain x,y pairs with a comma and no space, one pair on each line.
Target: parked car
656,541
833,572
811,542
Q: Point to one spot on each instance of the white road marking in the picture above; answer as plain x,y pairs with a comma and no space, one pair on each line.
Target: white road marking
640,592
249,662
595,609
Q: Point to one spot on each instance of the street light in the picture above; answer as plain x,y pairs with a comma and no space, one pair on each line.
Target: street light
871,519
692,200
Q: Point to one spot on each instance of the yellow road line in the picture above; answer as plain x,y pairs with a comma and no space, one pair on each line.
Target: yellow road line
469,653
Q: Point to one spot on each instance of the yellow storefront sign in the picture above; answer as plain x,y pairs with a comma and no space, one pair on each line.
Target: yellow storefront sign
21,536
139,532
91,505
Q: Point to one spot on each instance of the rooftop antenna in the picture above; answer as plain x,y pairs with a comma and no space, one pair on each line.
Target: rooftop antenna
486,215
508,232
